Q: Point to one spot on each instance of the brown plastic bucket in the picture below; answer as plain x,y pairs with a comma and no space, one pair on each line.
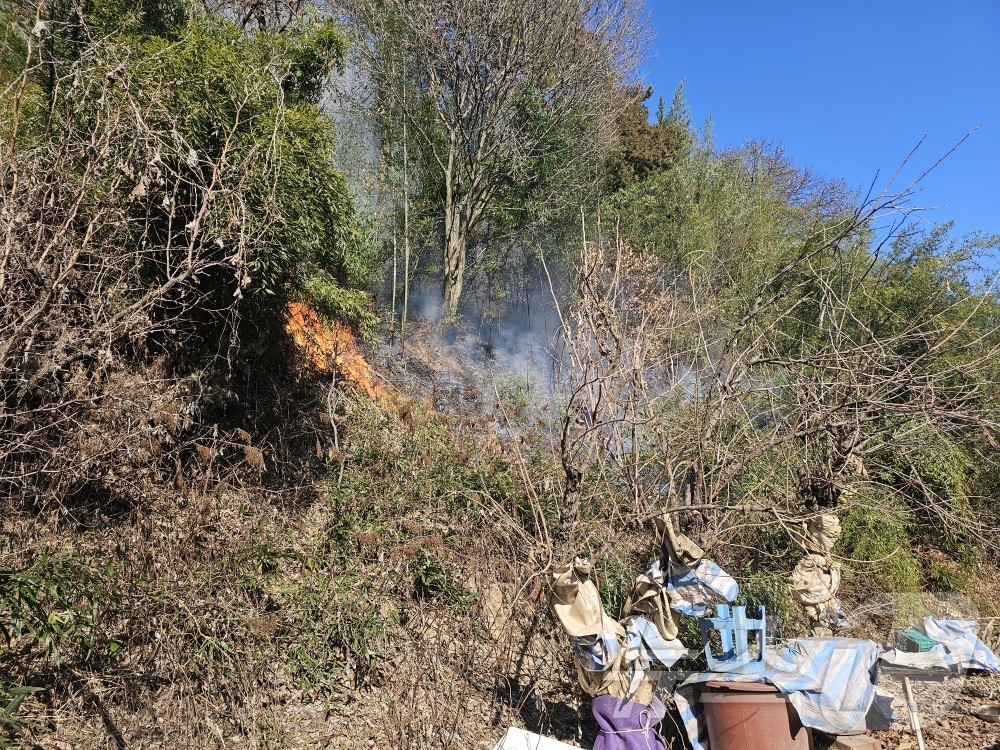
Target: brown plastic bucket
751,716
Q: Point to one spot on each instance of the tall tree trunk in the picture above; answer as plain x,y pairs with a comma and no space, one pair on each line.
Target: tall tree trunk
572,496
456,243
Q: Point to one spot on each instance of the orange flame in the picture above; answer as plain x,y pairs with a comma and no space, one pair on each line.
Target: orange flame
330,346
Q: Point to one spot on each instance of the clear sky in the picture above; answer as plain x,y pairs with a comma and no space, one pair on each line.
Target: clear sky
848,87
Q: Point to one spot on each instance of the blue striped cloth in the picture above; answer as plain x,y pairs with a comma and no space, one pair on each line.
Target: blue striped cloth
642,636
692,590
960,644
645,649
597,653
830,682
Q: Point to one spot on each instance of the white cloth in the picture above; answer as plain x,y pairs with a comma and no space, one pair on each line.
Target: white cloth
959,644
926,660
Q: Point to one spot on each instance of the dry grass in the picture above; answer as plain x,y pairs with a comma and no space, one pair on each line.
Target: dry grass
388,595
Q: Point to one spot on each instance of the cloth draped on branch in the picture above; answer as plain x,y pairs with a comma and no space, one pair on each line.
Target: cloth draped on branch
617,662
693,590
816,578
618,658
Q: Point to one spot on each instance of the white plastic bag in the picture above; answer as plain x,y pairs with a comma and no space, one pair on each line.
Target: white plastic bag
520,739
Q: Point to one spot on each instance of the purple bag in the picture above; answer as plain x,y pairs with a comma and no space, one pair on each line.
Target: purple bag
625,725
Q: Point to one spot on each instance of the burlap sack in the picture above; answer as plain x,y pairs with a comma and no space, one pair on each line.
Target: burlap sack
819,534
815,579
575,601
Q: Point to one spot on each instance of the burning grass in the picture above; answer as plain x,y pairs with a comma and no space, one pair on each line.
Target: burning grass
330,347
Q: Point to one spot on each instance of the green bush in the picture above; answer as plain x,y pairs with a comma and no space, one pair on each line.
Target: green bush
61,607
946,576
877,546
59,610
435,578
12,724
331,628
615,575
773,593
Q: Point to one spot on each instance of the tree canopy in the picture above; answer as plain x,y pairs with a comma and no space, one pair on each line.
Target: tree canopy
503,111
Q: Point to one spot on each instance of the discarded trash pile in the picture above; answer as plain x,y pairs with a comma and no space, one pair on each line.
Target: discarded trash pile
829,682
756,693
943,649
617,662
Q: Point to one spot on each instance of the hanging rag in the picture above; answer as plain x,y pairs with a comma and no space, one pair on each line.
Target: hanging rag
596,638
645,652
684,581
816,578
622,659
611,658
693,590
575,600
651,599
677,546
819,533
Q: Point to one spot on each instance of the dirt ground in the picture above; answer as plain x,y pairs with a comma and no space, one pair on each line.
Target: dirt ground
945,716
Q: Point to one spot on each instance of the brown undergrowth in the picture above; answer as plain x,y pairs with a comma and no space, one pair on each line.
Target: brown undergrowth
353,598
376,579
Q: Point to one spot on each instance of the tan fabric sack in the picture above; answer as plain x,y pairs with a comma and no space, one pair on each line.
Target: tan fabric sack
575,601
681,548
819,534
577,606
815,579
650,599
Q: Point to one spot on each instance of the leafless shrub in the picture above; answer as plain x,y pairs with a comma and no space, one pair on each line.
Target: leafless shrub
273,15
718,409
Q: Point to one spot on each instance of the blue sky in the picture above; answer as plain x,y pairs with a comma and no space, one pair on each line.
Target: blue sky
848,88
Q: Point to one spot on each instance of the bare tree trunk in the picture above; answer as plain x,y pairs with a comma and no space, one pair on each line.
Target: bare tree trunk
456,243
572,495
